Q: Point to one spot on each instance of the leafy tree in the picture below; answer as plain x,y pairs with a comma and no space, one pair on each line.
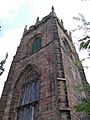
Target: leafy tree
84,105
2,63
85,26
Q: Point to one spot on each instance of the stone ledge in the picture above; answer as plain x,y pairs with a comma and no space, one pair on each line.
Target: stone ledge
61,79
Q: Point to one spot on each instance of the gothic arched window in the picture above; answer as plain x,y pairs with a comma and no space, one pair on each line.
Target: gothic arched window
29,98
66,47
36,44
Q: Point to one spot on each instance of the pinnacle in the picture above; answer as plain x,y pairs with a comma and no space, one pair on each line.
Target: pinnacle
52,8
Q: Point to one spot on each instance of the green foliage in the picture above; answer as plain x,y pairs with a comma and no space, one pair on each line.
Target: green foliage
83,106
85,88
77,63
85,26
84,43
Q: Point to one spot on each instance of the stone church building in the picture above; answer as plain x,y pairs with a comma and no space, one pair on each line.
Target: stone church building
42,77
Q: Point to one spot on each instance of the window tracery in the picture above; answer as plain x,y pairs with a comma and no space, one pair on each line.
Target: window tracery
29,98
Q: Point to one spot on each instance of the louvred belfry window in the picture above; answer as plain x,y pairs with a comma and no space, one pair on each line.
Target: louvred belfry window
36,44
66,48
29,98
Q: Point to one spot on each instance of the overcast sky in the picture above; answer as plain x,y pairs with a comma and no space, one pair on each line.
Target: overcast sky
15,14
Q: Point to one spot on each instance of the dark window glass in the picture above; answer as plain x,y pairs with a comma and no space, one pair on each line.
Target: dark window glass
66,48
36,44
21,97
18,115
37,89
28,104
26,95
24,115
32,94
36,113
30,113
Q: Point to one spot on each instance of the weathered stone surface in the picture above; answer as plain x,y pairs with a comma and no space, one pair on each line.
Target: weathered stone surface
57,101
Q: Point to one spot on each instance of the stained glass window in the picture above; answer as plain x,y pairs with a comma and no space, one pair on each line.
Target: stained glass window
28,103
36,44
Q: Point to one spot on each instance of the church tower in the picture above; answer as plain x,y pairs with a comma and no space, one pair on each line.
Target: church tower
41,80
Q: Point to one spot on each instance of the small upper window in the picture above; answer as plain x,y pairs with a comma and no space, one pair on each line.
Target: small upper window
36,44
66,48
